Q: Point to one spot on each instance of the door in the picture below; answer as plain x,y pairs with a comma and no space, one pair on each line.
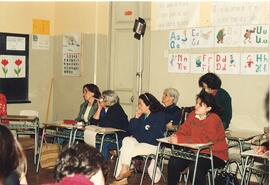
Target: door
125,53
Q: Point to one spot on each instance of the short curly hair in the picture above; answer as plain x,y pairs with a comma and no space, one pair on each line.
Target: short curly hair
80,159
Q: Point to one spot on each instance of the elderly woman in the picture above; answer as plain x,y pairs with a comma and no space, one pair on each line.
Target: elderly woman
147,125
110,114
88,108
172,111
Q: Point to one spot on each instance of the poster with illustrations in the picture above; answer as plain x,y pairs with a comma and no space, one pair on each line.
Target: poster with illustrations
227,36
178,63
254,63
71,54
202,63
12,66
227,63
178,39
201,37
255,36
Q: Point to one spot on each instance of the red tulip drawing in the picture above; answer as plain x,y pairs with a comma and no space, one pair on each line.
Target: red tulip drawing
17,70
4,63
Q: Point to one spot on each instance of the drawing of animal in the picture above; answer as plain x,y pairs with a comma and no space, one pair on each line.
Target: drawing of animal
220,36
247,35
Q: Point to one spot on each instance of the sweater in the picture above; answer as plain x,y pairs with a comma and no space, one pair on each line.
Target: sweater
115,117
173,114
207,130
224,102
148,129
83,108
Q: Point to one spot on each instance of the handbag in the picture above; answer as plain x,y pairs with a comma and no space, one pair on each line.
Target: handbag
49,155
225,178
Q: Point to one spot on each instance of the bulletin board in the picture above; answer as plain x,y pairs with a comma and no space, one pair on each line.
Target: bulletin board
14,62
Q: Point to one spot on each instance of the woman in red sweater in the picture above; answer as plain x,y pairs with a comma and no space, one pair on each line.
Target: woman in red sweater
203,125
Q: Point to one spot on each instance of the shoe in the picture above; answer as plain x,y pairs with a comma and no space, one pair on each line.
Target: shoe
124,175
123,181
151,170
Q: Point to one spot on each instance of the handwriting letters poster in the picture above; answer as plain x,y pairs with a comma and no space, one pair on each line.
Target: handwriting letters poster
254,63
202,63
179,63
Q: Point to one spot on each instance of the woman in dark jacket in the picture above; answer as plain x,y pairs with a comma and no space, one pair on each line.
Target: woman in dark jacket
110,114
148,125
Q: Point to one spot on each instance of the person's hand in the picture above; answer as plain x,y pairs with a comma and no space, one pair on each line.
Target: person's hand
138,113
169,126
173,139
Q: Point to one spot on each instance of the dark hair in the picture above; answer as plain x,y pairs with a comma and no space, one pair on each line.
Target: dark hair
208,100
80,159
152,102
94,89
11,157
211,80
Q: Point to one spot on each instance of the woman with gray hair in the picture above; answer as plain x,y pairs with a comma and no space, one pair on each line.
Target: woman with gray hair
110,114
172,111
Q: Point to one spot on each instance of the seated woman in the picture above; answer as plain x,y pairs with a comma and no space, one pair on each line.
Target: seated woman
13,165
202,126
172,111
88,108
81,164
110,114
147,125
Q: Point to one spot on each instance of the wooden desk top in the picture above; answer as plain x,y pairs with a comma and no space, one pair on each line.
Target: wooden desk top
242,135
19,118
254,154
189,145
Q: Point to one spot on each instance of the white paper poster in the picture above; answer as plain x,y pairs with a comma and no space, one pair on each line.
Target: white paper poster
41,42
240,13
15,43
72,54
201,37
227,36
178,63
254,63
227,63
178,39
255,36
12,66
202,63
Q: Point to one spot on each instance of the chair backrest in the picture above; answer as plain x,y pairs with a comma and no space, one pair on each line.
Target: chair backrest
184,113
29,113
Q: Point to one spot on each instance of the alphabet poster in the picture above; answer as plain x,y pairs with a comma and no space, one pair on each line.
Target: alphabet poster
227,63
178,39
255,36
201,37
178,63
254,63
227,36
12,66
202,63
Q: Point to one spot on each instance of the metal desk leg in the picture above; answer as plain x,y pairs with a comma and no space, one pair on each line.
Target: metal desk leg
70,138
118,153
40,149
195,167
36,144
244,171
155,166
101,144
74,136
212,166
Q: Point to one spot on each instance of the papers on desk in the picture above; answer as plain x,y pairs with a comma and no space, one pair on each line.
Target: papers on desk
91,131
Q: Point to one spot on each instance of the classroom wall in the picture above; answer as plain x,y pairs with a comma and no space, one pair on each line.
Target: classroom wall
16,17
88,18
247,91
92,20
